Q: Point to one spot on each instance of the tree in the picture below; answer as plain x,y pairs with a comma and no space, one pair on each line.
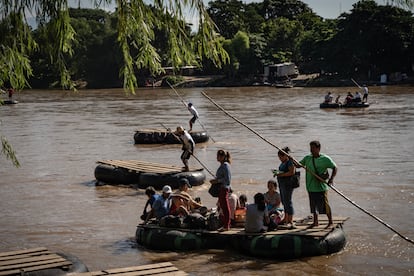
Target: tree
372,40
136,24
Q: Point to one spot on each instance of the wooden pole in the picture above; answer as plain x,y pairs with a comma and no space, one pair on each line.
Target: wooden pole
185,104
311,172
356,83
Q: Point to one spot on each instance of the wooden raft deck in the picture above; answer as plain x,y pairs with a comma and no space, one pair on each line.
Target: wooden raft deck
21,261
165,268
145,167
302,229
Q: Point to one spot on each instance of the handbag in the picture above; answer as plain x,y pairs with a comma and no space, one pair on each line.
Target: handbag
324,175
214,190
295,180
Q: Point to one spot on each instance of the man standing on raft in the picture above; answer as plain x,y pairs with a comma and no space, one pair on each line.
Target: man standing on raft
318,163
194,112
188,146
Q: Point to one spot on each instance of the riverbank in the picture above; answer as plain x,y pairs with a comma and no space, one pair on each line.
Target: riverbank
304,80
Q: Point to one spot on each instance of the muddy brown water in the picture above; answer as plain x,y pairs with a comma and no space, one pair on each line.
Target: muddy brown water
52,200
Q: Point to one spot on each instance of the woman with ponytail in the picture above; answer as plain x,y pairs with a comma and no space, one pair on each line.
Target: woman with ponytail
223,177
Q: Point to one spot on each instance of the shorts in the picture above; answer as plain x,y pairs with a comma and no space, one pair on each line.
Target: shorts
319,202
185,155
193,119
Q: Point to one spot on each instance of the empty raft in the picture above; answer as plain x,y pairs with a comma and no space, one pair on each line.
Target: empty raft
39,262
156,136
281,244
143,174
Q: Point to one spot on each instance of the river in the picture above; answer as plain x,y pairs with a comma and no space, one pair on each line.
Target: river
58,136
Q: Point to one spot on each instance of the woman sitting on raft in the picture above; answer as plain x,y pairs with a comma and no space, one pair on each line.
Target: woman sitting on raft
257,215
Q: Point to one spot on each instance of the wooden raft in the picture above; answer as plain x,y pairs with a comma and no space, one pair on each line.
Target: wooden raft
143,166
302,228
165,268
18,262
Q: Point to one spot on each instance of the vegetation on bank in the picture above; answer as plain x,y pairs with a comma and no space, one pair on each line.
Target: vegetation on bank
113,49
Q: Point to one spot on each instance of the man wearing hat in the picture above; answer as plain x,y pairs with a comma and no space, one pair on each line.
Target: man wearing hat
160,207
194,112
188,146
182,202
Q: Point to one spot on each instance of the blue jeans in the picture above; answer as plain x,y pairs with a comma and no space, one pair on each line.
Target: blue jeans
286,192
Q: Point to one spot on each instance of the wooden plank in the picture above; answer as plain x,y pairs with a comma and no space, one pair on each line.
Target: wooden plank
35,267
35,262
140,166
165,268
30,259
25,251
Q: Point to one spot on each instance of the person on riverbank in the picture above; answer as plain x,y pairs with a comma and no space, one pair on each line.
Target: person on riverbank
365,93
284,178
188,146
194,112
10,92
223,178
317,163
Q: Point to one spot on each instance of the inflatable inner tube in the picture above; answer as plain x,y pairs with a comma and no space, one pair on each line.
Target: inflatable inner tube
156,180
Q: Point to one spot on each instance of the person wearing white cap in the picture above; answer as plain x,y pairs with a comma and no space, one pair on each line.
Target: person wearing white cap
188,146
160,207
193,112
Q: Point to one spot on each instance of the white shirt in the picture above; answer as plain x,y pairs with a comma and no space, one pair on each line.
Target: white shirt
187,140
193,111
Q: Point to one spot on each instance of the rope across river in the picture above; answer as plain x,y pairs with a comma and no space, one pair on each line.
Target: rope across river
295,161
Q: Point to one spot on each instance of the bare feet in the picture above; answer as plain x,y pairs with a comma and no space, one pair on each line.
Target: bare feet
313,225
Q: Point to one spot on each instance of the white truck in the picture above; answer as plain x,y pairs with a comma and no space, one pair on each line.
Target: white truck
280,72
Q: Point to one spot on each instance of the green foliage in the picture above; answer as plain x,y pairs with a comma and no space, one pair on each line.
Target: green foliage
371,40
8,152
172,80
135,36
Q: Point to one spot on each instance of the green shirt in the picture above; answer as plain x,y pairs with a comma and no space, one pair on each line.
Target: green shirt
323,162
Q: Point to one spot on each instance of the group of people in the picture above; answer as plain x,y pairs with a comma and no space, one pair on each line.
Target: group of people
269,209
349,98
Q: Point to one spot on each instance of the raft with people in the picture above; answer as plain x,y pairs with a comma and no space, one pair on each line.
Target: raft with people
159,136
144,174
281,243
347,105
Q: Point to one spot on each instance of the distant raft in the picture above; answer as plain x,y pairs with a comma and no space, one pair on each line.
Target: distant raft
348,105
10,102
280,244
143,174
157,136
